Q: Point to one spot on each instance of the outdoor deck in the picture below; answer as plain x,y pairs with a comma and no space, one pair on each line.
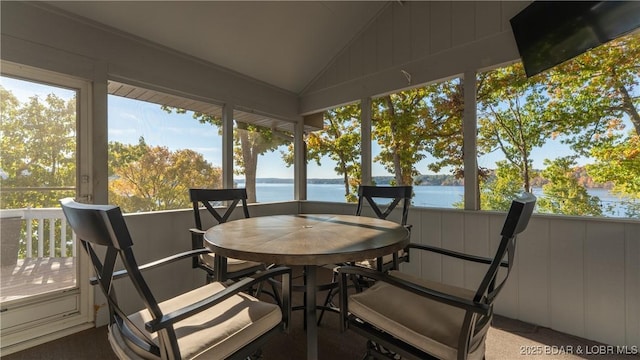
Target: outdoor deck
33,276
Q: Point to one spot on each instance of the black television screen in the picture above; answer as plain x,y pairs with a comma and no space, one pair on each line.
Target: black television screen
550,32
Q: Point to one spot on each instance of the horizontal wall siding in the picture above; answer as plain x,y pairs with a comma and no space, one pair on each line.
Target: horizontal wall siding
532,253
431,40
604,256
632,283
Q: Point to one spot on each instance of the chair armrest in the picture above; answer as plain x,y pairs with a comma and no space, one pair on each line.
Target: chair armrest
455,254
168,320
435,295
197,242
154,264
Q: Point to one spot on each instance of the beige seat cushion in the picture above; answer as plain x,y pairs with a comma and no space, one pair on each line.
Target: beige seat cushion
220,330
426,324
233,265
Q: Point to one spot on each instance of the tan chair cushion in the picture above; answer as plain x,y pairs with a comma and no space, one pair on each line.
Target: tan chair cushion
220,330
425,324
233,265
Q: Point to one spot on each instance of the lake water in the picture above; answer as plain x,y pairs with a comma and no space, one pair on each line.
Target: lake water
427,196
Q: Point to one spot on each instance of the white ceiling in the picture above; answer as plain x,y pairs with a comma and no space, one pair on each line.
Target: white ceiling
283,43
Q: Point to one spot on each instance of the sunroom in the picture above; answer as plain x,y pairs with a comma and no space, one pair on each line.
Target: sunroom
135,70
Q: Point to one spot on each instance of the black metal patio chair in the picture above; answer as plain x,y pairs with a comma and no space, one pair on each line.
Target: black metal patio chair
383,201
214,321
402,315
377,197
216,266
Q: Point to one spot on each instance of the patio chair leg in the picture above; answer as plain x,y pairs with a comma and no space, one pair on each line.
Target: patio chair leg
256,355
276,295
369,354
329,299
374,349
210,278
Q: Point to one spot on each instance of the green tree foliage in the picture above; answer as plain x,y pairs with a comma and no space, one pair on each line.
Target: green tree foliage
38,149
399,130
511,119
406,126
250,141
619,163
150,178
411,123
596,91
498,190
583,100
38,159
444,120
563,193
340,141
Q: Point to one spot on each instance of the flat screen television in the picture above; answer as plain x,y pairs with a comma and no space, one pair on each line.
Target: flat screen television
551,32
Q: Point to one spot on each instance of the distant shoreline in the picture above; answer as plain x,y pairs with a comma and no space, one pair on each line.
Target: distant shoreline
424,180
331,181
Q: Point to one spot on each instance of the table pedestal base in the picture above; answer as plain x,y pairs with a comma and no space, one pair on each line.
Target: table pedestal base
310,311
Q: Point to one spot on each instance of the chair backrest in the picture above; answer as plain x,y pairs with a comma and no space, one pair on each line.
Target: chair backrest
516,222
104,226
372,194
215,197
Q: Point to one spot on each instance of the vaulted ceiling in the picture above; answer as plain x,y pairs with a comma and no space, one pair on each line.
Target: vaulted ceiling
282,43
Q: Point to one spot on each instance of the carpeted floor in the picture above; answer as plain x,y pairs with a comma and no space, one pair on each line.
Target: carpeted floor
507,339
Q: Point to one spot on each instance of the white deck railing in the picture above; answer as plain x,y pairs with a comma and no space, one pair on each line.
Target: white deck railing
41,224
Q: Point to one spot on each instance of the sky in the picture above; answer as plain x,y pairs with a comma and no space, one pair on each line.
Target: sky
131,119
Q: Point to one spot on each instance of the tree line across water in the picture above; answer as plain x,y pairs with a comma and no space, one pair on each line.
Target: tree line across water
579,173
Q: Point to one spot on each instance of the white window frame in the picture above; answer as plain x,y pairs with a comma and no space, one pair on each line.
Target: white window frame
58,323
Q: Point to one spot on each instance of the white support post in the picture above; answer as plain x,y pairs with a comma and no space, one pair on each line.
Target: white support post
28,237
40,222
469,131
63,238
300,162
366,158
52,238
227,146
